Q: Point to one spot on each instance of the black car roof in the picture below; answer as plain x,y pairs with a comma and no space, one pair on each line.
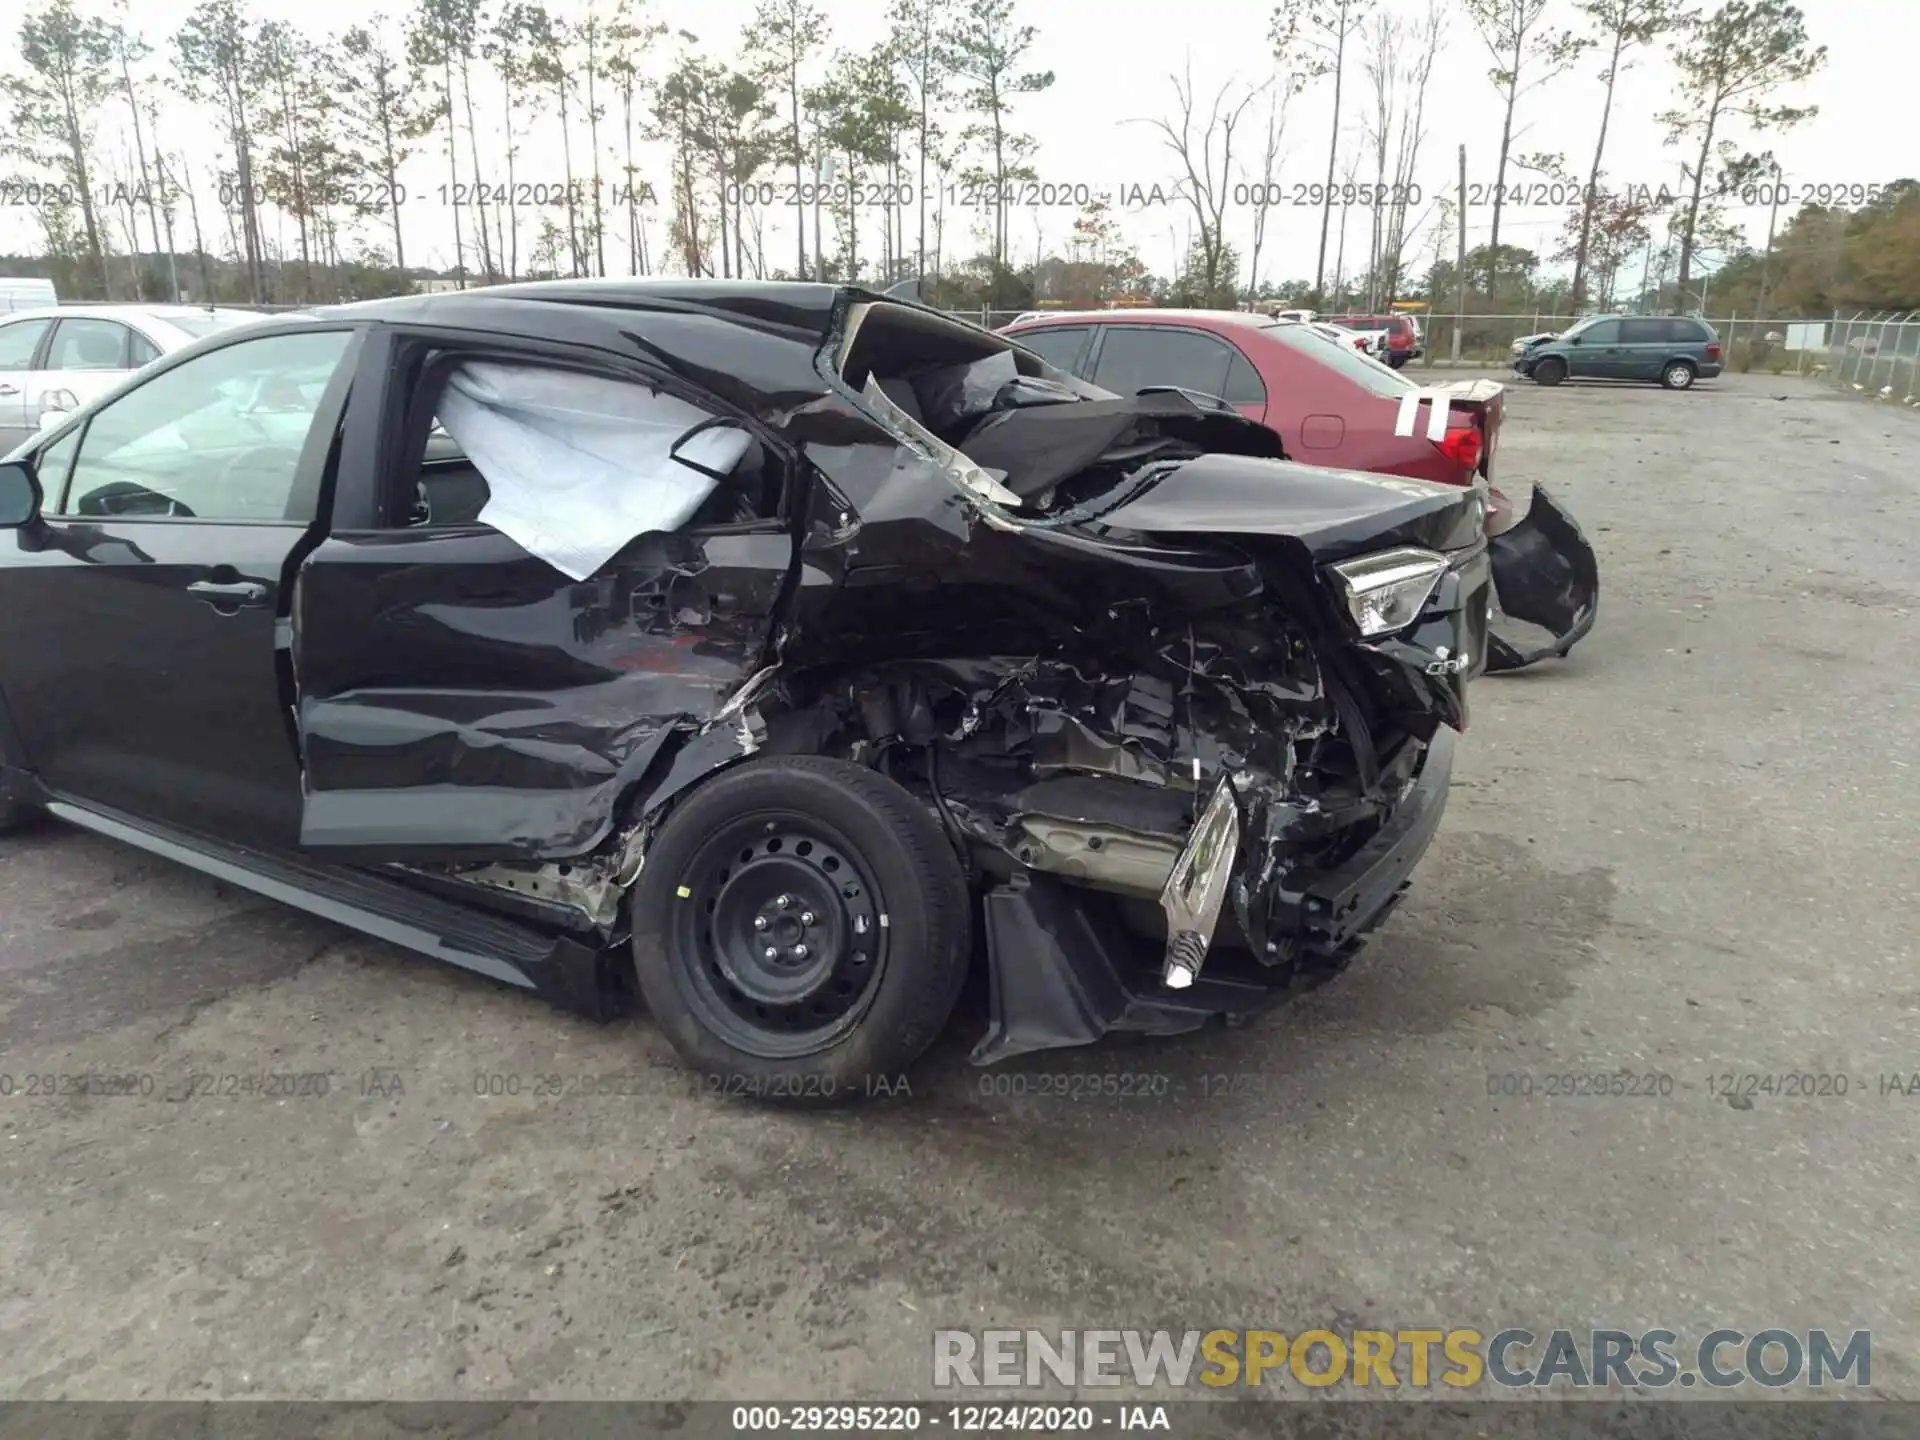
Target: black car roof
784,304
753,342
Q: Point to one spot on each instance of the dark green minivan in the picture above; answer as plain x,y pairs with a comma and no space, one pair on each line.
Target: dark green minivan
1675,350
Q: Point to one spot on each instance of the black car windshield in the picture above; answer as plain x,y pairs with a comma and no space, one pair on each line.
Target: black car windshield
1378,378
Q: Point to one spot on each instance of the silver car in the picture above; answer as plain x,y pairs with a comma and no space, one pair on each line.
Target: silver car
54,360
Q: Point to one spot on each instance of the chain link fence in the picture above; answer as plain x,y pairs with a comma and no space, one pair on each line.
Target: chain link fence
1874,354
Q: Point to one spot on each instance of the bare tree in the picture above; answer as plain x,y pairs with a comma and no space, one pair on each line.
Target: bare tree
1311,36
193,210
1280,92
1525,56
1349,186
1204,150
1399,64
1620,27
167,193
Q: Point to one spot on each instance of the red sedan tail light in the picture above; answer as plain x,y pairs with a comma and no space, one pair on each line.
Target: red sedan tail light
1462,447
1713,350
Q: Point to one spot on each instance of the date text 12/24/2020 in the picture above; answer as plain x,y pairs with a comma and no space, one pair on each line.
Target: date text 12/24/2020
990,1419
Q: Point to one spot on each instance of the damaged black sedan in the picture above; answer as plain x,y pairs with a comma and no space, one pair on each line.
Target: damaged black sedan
778,650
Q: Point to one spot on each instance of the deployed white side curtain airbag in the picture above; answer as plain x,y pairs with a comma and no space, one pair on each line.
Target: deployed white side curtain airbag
578,465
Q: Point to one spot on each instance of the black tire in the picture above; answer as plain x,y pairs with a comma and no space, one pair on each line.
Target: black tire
14,814
1678,375
1550,371
861,895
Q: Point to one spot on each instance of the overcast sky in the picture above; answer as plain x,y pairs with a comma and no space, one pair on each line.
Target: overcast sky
1111,66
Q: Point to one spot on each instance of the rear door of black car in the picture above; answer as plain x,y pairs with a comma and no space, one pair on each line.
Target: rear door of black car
461,697
140,615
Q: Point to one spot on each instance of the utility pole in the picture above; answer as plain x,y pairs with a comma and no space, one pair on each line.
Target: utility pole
1766,262
1460,259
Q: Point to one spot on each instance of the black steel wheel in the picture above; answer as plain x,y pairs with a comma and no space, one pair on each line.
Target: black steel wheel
801,930
1550,371
781,926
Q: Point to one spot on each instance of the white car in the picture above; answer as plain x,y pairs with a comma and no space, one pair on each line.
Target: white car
1374,343
54,360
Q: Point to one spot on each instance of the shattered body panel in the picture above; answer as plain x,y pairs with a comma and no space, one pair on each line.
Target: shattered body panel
1547,580
1134,705
509,723
1111,646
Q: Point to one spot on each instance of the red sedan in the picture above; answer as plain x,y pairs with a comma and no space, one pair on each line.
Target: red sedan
1336,407
1331,404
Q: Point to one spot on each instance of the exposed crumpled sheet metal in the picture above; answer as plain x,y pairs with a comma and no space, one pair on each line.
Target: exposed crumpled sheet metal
508,722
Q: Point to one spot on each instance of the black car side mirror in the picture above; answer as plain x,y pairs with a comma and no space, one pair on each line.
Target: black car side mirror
19,495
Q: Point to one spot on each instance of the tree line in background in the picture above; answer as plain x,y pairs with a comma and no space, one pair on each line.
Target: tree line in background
307,200
906,158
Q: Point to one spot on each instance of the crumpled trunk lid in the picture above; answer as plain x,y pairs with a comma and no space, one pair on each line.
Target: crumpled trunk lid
1333,513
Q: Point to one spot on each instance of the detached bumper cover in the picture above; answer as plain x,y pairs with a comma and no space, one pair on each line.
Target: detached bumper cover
1546,581
1064,972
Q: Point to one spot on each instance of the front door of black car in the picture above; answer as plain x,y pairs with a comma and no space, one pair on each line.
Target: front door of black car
138,614
460,695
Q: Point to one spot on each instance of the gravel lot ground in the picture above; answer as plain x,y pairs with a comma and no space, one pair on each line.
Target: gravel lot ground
1690,849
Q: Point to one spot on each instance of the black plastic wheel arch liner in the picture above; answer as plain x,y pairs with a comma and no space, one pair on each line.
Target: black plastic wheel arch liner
1547,578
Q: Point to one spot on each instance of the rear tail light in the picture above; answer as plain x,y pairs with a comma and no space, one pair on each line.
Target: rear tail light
1713,350
1397,340
1462,447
